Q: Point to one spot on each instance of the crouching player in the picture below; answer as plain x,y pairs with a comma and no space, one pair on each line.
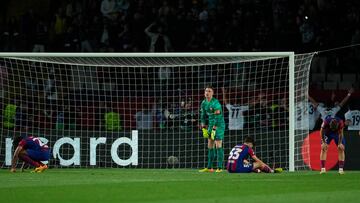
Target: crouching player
32,151
238,159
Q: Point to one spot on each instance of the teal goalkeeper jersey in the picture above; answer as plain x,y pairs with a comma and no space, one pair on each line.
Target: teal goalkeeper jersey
208,109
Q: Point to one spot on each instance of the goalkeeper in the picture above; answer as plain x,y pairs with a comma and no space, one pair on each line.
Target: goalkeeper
212,112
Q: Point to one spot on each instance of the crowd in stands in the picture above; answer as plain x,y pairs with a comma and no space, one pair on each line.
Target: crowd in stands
182,25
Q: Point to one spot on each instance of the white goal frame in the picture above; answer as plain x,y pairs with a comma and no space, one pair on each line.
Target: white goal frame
290,55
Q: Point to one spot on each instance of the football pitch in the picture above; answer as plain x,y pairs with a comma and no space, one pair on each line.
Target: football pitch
175,185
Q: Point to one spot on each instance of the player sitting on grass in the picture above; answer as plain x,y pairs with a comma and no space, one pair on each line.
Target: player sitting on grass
30,150
238,159
332,129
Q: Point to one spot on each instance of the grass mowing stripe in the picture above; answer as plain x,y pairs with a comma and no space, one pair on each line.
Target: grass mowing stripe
152,185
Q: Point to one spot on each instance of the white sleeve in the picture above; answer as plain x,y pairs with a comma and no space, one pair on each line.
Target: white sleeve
244,108
348,115
321,110
336,109
228,106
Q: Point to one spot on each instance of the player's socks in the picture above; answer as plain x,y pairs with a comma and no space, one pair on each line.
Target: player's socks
341,164
341,167
220,157
211,156
28,160
256,170
322,163
266,169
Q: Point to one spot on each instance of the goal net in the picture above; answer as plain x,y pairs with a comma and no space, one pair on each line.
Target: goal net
142,110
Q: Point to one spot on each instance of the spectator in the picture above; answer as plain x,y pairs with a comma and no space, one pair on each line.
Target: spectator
332,107
159,42
108,9
60,119
188,119
40,37
259,112
10,116
123,5
164,75
280,114
307,33
112,120
236,111
11,35
144,119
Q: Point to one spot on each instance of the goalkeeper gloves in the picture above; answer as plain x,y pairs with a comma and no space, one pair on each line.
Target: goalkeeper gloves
205,133
213,133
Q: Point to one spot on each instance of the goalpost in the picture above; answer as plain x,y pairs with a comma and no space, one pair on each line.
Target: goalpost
141,109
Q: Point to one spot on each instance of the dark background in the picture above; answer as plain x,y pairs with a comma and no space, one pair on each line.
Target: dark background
191,26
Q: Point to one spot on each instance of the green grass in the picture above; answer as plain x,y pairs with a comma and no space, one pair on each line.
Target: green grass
149,185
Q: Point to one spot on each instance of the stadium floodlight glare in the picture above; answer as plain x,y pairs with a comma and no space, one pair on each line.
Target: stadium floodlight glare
60,95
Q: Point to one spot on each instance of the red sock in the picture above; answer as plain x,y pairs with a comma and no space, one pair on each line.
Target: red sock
341,164
266,169
28,160
322,163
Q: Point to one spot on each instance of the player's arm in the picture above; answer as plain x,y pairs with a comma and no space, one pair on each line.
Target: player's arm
203,126
256,159
15,158
147,30
348,121
217,114
313,101
225,98
347,97
202,116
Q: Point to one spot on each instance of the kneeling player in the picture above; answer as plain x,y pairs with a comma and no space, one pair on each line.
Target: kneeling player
32,151
238,163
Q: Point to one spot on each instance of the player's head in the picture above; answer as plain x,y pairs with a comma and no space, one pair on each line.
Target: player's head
334,124
249,141
16,140
209,91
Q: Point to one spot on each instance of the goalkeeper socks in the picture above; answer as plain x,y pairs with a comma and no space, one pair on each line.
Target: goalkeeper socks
28,160
220,157
211,156
322,163
341,164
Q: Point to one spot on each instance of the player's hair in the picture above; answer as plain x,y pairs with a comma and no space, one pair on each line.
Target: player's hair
249,140
209,86
16,140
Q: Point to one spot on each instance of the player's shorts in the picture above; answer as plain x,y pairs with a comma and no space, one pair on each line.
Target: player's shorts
38,155
220,131
333,136
239,168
